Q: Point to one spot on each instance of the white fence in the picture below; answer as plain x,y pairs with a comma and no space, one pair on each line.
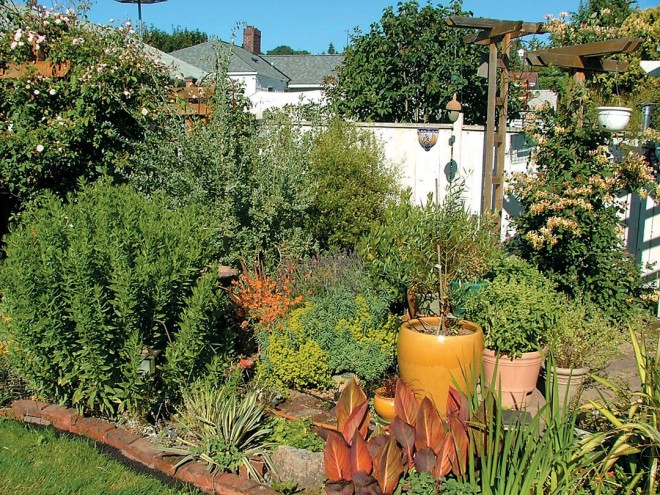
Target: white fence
458,154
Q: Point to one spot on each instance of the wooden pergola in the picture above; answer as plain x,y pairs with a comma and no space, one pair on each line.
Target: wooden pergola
589,57
497,34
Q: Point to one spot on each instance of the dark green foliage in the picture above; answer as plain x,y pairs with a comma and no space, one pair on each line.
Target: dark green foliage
286,50
408,66
178,39
87,286
203,335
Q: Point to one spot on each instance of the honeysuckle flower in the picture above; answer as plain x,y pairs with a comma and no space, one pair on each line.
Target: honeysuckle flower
36,91
40,148
52,92
144,111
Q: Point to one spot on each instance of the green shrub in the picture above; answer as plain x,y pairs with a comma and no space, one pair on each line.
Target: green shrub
91,284
276,190
333,334
351,184
402,251
296,433
517,309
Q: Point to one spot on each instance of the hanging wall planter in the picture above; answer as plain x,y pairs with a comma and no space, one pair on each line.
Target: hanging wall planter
427,137
613,118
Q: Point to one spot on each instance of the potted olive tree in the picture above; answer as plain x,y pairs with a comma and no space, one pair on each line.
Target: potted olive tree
517,310
582,340
418,250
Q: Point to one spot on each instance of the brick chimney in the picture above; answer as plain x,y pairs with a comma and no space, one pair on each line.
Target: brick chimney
252,40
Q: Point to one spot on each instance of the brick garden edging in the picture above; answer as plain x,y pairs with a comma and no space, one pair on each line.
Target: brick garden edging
132,447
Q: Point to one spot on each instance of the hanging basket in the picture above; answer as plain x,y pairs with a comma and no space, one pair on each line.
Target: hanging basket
613,118
427,138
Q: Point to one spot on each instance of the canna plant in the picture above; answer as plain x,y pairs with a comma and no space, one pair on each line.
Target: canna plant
419,439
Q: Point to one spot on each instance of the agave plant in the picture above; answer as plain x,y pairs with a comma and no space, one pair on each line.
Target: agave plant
222,428
418,437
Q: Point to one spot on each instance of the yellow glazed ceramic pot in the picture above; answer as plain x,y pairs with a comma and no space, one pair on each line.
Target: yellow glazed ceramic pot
384,405
431,363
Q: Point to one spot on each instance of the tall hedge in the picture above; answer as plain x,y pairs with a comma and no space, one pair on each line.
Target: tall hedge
89,285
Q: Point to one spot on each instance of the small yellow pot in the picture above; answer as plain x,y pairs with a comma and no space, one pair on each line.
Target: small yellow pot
384,405
431,363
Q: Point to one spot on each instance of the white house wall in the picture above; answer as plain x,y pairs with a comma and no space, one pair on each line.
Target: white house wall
264,100
264,83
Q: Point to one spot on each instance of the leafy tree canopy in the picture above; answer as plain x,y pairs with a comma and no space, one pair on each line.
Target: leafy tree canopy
286,50
176,40
408,66
331,49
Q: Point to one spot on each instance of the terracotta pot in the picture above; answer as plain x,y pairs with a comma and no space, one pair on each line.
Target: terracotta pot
384,405
568,381
515,378
431,363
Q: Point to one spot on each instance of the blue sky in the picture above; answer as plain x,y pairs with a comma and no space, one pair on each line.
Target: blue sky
302,24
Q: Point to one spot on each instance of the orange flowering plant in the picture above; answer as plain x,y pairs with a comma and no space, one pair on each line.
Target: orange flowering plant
262,299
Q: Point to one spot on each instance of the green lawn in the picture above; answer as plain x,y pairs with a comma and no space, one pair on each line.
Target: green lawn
39,461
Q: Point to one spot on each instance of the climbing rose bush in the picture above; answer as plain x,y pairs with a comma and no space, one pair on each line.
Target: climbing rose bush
56,130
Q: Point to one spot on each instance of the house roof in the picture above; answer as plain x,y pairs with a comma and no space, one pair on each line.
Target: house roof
206,55
305,70
178,68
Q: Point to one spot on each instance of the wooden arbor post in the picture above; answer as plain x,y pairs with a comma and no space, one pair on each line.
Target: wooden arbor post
493,32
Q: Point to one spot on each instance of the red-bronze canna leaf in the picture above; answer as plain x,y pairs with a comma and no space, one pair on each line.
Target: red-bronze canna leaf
430,430
388,466
444,459
405,403
405,436
346,488
351,397
337,458
357,421
457,405
461,445
360,457
425,460
365,484
376,443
